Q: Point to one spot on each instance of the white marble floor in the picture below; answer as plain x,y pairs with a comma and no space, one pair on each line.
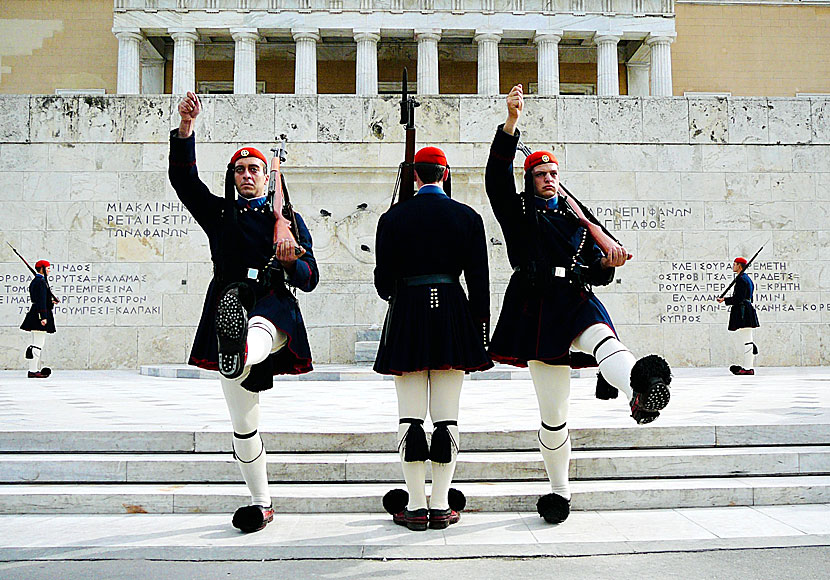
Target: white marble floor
126,400
661,528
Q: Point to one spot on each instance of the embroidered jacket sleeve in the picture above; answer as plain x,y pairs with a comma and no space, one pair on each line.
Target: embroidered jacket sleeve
384,280
596,274
477,272
305,275
184,177
40,297
499,181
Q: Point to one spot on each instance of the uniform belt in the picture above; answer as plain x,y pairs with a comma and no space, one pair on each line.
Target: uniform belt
556,271
428,279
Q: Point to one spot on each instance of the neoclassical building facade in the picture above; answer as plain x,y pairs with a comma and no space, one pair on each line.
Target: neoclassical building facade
358,46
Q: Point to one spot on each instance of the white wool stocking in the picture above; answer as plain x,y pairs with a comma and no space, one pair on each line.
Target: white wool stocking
413,393
36,342
444,395
615,360
553,387
747,343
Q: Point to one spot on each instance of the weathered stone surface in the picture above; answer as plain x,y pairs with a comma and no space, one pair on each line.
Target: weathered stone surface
820,120
789,121
749,120
243,118
296,117
338,120
101,119
578,120
708,120
14,119
666,120
53,119
620,119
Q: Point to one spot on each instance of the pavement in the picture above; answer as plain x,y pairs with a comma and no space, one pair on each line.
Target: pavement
127,400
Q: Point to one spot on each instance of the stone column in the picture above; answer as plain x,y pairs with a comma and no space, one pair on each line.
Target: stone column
244,60
488,61
366,73
661,81
184,59
637,79
305,70
428,60
129,70
547,49
152,76
608,76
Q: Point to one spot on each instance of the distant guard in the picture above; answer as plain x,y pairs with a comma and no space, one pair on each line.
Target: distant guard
742,317
39,320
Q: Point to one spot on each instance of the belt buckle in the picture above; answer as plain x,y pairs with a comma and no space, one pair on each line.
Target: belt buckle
559,272
253,273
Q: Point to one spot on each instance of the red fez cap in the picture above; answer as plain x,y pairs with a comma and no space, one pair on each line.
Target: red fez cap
431,155
42,264
538,158
248,152
740,260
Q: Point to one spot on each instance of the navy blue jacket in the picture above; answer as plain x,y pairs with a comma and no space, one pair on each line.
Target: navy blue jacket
742,314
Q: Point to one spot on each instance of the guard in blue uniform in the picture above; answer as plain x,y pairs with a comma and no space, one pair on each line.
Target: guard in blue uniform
742,317
549,309
39,320
251,320
433,332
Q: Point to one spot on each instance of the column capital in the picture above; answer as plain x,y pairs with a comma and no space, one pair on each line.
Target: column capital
367,34
245,34
128,33
485,35
661,38
428,34
638,65
182,34
547,36
306,34
603,37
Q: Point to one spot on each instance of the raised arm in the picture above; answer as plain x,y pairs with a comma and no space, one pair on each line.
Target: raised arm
184,177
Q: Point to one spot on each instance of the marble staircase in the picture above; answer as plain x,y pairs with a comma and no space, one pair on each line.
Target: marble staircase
91,472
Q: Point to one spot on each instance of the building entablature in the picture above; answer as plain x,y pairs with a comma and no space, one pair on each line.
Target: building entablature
550,7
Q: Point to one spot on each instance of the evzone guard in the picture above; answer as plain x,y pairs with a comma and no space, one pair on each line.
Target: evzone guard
558,254
433,332
40,320
743,320
251,327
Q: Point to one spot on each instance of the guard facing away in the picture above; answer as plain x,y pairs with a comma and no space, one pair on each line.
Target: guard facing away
433,333
742,317
39,320
549,308
251,327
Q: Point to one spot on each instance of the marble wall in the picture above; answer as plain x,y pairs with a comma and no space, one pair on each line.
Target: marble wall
686,183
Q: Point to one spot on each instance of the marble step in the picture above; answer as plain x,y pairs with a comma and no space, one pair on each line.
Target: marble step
343,498
377,467
365,351
651,436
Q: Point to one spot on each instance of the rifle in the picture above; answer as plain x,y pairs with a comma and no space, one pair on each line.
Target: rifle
33,271
285,226
735,279
604,239
405,182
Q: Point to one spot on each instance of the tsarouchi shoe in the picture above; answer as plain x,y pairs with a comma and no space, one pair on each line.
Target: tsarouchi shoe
232,333
414,520
252,518
37,375
440,519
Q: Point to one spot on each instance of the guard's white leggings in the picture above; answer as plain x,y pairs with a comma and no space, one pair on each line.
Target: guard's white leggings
553,387
441,390
243,405
747,344
37,341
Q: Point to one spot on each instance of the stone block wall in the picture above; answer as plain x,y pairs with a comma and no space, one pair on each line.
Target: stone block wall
686,184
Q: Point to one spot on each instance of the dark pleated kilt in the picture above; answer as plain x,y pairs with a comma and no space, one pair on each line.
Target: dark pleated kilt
542,326
743,315
418,337
282,310
32,322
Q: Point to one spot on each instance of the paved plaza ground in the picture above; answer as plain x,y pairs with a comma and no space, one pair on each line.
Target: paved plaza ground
127,401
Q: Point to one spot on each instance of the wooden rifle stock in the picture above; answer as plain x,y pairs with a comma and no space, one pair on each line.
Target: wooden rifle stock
285,228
